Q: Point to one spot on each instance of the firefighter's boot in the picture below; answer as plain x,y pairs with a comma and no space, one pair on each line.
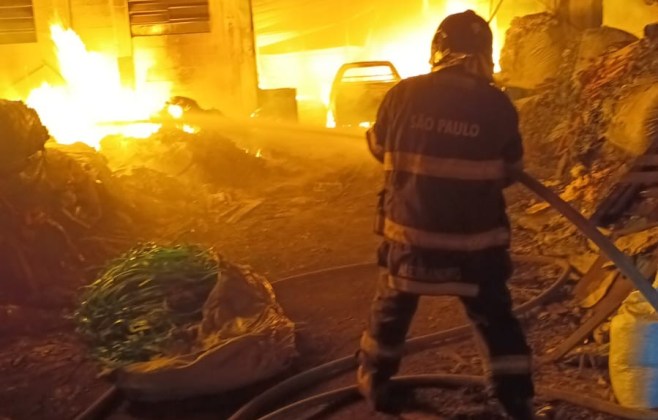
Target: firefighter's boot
519,409
376,392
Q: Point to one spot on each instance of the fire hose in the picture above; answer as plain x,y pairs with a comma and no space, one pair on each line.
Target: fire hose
298,383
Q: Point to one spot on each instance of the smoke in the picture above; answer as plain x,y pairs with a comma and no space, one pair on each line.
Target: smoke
630,15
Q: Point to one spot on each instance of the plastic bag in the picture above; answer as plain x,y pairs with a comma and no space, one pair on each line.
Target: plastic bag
244,338
634,353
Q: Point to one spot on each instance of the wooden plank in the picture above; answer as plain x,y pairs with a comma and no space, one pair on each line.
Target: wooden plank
170,28
646,160
622,195
619,291
641,178
16,3
591,278
17,25
615,204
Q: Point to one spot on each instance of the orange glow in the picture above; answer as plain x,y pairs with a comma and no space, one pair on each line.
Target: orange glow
407,46
189,129
93,102
176,111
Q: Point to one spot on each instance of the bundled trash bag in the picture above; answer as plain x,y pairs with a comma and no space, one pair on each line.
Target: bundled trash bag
176,322
634,353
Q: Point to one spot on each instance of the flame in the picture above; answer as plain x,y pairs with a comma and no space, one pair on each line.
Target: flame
92,102
189,129
406,46
176,111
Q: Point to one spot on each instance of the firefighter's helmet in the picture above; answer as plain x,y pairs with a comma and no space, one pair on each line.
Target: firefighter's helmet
465,33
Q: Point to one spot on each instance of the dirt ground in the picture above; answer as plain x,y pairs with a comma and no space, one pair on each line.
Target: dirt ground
316,221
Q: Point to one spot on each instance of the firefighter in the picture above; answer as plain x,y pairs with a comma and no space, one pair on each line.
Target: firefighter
448,141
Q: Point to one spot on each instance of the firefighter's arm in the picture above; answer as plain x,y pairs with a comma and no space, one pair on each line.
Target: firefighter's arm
376,148
376,135
512,152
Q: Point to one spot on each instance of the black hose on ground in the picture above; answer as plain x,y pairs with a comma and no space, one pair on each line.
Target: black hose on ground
623,263
327,371
328,270
295,384
101,406
447,380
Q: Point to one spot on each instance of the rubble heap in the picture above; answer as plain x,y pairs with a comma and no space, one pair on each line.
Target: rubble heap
591,101
44,196
67,207
583,122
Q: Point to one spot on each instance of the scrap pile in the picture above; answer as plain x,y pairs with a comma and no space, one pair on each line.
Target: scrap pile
205,156
177,321
587,108
589,117
47,198
589,86
144,300
64,208
157,315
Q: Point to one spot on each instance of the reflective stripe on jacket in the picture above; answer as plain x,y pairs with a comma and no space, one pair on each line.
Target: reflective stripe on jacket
433,288
446,241
445,140
460,169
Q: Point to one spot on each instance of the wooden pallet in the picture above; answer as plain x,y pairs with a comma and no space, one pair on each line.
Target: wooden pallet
643,175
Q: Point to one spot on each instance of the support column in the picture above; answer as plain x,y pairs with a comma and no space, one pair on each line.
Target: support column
124,43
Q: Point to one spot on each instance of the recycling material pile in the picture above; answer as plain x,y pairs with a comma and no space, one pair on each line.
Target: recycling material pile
177,321
587,96
145,299
45,196
588,105
205,156
64,208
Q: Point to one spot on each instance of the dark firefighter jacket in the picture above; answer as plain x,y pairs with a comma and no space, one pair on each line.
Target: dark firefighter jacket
446,140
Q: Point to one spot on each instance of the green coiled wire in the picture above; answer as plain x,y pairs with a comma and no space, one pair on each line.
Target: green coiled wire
129,314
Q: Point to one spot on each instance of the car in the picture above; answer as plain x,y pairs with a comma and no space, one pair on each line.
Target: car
358,89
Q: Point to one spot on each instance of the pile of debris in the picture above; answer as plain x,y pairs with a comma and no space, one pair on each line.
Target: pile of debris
45,195
589,97
64,208
588,105
205,156
178,321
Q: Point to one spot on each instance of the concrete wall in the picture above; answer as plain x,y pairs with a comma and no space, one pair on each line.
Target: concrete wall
217,69
25,66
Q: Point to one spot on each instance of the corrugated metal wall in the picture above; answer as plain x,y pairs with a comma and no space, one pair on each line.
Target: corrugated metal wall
17,22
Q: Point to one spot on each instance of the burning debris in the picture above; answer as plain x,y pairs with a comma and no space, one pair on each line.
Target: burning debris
41,196
144,167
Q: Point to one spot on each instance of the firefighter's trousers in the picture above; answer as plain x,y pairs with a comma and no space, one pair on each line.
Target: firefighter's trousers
491,313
